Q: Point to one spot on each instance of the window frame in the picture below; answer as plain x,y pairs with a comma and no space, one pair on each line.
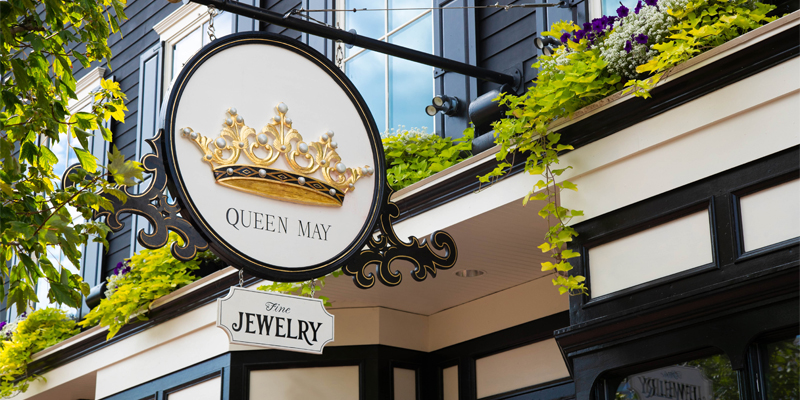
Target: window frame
175,27
341,15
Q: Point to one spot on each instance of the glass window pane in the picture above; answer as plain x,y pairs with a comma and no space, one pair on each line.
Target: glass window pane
185,49
366,70
610,6
400,17
706,378
410,83
783,362
61,150
366,23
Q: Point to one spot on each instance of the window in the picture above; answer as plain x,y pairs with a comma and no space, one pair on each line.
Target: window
395,89
704,378
781,372
184,33
92,252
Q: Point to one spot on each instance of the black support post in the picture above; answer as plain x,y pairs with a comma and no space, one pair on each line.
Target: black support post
312,28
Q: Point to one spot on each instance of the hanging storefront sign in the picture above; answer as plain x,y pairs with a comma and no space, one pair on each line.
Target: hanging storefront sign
274,156
672,383
256,318
276,161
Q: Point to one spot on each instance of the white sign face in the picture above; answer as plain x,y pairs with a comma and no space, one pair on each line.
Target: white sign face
672,383
278,321
274,157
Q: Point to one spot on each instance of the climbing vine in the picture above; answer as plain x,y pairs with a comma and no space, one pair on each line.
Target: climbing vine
135,284
306,288
28,335
593,62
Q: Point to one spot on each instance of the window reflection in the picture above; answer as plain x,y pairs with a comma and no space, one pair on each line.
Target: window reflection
783,362
410,83
396,95
710,378
366,70
185,48
610,6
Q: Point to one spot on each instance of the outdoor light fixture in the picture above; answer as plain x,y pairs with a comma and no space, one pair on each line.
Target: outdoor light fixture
469,273
545,44
446,104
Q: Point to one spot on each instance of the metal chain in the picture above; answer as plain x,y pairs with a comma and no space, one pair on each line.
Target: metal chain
313,287
241,277
212,12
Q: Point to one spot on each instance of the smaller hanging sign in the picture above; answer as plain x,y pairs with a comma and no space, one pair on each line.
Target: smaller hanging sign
278,321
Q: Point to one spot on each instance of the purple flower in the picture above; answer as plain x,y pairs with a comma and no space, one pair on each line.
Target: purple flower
628,46
587,26
641,38
2,324
652,3
622,11
565,37
598,25
638,7
579,35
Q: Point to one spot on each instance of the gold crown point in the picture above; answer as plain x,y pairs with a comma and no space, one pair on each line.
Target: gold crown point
295,185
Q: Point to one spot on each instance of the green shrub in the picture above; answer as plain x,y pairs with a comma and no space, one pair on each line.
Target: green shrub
150,274
40,330
412,155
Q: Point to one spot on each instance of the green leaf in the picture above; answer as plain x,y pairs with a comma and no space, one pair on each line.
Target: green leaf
567,254
87,160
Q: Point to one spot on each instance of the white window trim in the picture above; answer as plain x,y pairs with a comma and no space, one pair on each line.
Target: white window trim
175,27
595,9
83,89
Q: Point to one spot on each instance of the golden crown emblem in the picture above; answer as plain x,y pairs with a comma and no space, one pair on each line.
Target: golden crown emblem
277,139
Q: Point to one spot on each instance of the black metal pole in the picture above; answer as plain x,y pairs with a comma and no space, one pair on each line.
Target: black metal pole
270,17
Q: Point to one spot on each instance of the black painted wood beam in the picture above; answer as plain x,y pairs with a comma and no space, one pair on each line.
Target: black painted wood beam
358,40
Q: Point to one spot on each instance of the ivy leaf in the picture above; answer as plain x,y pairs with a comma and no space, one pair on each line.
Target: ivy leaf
567,254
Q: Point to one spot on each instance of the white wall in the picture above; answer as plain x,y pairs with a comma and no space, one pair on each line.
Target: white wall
405,384
330,383
663,250
771,215
450,383
524,366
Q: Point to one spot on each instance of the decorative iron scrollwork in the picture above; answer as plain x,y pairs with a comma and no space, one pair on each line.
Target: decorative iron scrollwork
385,248
153,204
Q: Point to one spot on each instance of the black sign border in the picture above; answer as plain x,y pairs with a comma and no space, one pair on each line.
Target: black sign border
220,246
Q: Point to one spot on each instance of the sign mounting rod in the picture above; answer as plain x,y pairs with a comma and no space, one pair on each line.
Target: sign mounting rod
270,17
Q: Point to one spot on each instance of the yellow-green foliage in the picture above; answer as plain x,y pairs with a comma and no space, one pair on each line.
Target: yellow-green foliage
301,288
412,156
154,273
702,25
40,330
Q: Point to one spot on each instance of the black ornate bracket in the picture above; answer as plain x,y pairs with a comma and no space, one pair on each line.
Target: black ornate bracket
382,249
386,248
153,204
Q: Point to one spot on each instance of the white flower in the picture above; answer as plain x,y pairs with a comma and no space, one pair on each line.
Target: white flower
653,22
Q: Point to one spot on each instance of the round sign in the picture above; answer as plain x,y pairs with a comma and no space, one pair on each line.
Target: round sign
274,156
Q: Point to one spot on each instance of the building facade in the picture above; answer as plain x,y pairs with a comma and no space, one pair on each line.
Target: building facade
692,228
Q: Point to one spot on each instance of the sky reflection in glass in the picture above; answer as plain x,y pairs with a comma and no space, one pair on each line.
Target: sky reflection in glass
366,70
410,83
610,6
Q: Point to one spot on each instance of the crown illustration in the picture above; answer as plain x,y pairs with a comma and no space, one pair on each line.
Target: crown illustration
277,139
